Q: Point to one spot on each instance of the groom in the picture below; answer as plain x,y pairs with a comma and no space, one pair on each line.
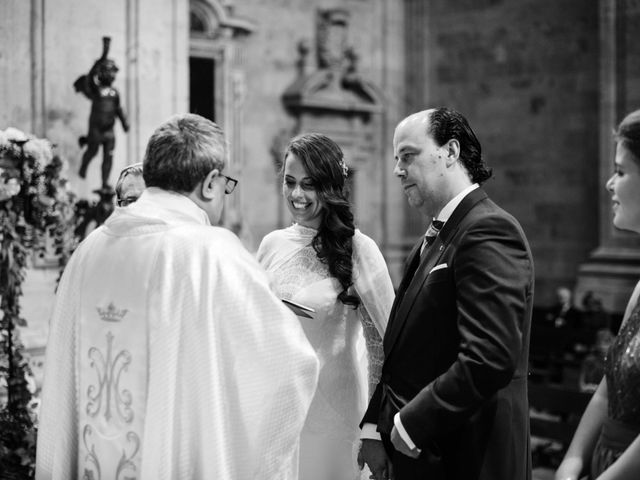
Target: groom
452,400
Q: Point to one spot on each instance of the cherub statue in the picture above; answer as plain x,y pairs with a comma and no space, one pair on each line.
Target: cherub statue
105,107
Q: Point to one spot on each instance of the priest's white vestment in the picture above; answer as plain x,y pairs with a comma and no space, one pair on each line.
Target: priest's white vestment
169,357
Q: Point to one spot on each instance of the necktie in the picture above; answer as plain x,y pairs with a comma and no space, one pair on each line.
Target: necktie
432,233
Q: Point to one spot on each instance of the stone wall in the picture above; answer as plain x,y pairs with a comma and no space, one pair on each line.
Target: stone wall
630,74
525,74
269,63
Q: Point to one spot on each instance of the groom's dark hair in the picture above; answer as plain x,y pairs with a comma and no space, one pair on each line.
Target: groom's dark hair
446,124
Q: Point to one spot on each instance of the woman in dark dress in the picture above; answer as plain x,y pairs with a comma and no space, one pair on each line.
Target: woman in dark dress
608,437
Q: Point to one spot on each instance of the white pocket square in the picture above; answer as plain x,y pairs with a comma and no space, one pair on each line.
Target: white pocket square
438,267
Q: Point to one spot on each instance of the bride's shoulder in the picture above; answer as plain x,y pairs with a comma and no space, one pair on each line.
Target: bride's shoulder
272,240
275,235
362,242
366,252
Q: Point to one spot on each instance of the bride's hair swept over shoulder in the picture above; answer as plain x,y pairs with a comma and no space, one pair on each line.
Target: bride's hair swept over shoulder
324,162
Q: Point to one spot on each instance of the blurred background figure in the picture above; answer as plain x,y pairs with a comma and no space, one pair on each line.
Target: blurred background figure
594,316
130,185
564,312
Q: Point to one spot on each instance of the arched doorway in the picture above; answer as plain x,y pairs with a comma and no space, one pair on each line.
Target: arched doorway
216,81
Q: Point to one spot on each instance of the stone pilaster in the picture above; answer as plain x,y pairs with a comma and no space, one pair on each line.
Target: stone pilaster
613,268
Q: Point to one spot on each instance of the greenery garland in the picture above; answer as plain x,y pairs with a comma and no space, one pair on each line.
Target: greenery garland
36,213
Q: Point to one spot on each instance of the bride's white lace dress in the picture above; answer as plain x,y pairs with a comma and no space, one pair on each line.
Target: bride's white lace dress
348,342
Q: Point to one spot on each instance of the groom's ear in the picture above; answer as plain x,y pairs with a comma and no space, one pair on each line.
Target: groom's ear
453,151
208,190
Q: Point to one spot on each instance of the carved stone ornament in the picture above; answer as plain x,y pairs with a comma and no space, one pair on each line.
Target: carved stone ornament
336,85
217,18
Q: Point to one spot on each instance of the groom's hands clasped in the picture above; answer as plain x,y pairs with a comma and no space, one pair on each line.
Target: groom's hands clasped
373,454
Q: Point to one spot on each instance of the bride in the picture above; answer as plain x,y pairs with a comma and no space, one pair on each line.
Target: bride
323,262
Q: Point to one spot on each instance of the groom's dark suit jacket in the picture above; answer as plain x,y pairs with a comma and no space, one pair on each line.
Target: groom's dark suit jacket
456,347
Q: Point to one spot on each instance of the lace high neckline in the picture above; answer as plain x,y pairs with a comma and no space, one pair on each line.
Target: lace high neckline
301,229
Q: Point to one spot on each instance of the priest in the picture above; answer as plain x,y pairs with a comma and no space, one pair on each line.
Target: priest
168,356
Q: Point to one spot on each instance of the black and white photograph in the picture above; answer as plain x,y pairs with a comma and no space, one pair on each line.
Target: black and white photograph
319,239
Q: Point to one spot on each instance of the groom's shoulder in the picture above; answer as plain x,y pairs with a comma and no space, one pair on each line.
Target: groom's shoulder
487,209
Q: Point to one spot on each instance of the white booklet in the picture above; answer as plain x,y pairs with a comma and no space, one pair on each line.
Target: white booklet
298,309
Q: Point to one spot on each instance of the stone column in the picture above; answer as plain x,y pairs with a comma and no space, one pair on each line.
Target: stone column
407,87
132,81
38,118
613,268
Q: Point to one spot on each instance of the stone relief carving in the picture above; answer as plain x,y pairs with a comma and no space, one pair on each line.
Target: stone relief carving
332,38
335,85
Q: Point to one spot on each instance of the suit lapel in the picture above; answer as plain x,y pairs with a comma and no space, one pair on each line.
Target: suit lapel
414,286
412,263
413,283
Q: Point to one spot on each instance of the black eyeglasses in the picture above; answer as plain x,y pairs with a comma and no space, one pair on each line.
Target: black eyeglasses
123,202
230,184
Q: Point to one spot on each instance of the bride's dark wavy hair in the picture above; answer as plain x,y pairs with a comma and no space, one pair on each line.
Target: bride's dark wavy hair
323,161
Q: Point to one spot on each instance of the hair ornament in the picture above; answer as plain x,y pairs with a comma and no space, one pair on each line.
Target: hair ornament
345,169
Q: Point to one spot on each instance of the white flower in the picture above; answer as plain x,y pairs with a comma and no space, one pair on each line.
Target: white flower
40,149
15,134
345,169
8,188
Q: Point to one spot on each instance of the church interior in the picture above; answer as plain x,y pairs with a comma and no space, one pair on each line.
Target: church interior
543,83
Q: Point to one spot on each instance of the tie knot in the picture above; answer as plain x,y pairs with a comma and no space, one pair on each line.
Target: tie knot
432,232
434,228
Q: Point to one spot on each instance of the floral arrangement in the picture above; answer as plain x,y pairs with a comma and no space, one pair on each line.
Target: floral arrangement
36,211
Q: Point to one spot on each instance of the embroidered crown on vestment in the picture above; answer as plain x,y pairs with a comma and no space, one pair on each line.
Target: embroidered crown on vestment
111,313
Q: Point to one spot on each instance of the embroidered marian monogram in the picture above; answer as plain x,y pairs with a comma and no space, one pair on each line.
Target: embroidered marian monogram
108,370
111,313
108,399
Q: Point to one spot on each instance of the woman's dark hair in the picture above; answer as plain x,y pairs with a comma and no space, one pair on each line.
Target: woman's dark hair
323,161
628,134
445,124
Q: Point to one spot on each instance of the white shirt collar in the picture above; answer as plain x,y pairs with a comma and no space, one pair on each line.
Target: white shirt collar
448,209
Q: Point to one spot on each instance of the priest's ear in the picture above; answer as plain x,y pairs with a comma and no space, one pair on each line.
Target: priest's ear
209,185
